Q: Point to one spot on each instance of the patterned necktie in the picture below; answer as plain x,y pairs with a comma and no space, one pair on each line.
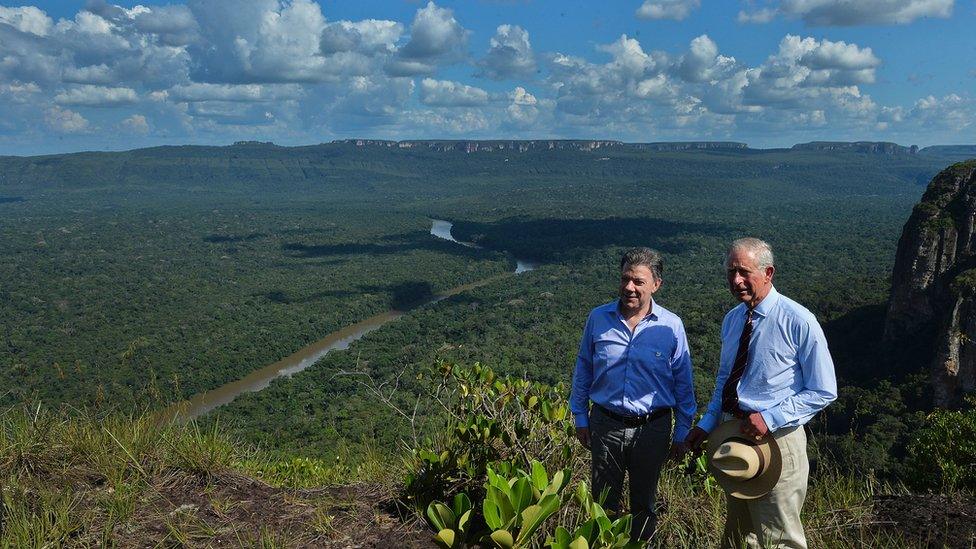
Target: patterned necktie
730,393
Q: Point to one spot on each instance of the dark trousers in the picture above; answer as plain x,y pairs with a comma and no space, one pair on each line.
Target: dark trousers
638,451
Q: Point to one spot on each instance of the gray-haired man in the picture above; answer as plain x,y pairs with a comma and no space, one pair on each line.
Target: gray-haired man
634,366
775,373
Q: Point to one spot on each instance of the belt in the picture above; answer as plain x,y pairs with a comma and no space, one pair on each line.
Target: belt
634,421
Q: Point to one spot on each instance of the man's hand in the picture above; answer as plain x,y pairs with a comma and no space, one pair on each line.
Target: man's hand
695,438
754,426
583,435
678,450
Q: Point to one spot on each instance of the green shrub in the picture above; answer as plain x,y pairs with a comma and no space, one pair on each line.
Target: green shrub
452,523
521,509
598,531
516,508
489,419
943,453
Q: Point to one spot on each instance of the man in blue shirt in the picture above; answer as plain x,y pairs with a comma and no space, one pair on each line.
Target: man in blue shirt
775,373
634,366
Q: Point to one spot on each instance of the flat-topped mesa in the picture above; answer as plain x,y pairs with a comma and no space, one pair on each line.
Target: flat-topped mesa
469,146
933,289
664,146
869,147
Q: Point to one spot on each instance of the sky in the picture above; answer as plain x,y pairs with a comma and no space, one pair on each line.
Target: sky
99,75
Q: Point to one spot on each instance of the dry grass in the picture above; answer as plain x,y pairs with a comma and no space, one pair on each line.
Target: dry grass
837,512
72,480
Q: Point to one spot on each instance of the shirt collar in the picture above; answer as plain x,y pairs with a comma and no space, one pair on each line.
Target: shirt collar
767,304
652,315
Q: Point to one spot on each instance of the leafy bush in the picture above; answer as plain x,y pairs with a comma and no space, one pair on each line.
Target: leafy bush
943,453
597,531
500,437
489,419
517,508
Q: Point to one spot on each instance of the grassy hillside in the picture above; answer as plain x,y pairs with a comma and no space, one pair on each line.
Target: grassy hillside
71,479
126,481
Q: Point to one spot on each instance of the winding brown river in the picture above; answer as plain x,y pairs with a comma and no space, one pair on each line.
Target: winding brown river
257,380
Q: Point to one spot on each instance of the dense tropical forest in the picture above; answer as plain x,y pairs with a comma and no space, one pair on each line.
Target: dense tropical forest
134,280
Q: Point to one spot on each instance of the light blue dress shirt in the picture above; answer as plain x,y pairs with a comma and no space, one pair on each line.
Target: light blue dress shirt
634,373
789,376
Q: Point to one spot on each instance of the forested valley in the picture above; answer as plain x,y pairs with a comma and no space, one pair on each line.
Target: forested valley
134,280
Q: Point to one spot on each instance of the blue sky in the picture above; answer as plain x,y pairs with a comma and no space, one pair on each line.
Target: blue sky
108,76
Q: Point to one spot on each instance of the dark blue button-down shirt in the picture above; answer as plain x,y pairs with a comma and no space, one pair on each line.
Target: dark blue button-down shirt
634,373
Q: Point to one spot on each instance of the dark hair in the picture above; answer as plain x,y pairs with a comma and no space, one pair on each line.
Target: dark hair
644,256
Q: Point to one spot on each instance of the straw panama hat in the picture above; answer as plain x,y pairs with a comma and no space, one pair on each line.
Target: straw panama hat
744,468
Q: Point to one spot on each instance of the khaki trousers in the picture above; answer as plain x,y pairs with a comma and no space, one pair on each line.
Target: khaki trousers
774,519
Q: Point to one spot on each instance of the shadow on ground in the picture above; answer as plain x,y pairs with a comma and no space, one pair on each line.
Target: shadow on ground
565,239
403,295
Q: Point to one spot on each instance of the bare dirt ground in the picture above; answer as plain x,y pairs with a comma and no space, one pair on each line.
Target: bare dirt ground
932,520
237,511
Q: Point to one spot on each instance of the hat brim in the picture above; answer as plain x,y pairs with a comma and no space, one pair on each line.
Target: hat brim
745,489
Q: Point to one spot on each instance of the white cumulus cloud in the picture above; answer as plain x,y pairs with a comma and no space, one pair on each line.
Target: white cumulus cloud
509,55
436,37
259,41
198,91
96,96
760,16
370,36
865,12
521,97
951,111
27,19
814,74
136,124
444,93
667,9
703,62
65,120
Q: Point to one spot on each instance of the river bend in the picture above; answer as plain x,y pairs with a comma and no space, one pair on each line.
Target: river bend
202,403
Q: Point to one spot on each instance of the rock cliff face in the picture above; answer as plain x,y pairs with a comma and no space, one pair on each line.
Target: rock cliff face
868,147
467,146
542,144
933,294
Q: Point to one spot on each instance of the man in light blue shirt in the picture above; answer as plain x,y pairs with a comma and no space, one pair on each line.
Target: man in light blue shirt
782,377
635,368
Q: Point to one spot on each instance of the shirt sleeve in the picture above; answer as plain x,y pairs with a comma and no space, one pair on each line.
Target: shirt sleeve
713,413
579,399
819,381
684,389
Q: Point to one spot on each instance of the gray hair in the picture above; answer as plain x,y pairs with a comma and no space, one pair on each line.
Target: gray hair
647,257
760,249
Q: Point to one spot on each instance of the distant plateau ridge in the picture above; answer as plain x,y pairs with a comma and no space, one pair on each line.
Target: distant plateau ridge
490,145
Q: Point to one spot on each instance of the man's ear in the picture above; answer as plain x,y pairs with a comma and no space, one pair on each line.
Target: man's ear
770,271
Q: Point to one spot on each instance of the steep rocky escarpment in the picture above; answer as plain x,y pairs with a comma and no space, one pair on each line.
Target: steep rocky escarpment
933,294
867,147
